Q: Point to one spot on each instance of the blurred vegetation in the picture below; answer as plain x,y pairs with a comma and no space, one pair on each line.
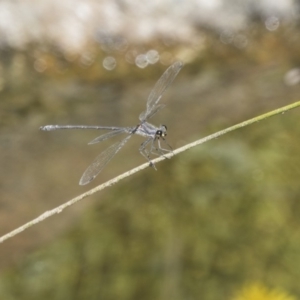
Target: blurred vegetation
208,221
259,292
204,224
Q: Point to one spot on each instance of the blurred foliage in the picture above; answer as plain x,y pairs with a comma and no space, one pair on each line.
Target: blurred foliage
260,292
206,222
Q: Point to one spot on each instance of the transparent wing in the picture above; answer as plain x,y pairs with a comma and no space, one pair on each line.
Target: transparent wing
155,109
108,135
101,161
165,80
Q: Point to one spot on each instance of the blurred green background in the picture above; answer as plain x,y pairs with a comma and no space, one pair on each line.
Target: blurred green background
220,221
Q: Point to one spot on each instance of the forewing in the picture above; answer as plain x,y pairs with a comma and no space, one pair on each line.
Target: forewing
165,80
101,161
108,135
153,111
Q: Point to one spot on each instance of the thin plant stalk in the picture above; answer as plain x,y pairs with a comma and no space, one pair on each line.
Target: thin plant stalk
118,178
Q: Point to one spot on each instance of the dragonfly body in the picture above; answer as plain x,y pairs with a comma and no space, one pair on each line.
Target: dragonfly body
152,133
149,130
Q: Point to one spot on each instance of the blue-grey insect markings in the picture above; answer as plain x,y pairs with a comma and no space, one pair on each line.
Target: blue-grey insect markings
154,135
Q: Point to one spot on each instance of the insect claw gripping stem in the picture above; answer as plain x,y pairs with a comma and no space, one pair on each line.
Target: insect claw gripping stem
151,164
